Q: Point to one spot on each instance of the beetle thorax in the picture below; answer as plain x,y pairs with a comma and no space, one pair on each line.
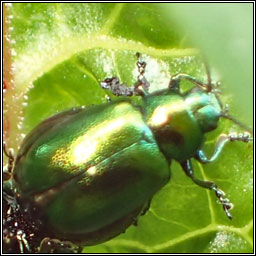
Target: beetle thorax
176,130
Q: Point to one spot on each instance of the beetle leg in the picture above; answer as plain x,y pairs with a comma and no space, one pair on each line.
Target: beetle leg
221,141
188,168
175,82
142,84
8,170
146,208
118,89
49,245
135,222
21,238
141,87
143,212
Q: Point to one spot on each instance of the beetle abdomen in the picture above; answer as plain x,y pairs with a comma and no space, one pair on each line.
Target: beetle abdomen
98,170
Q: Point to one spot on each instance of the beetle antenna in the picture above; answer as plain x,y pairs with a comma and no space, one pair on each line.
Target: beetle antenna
209,80
237,122
219,101
224,113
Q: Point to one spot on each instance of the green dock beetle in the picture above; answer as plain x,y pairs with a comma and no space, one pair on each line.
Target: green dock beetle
83,176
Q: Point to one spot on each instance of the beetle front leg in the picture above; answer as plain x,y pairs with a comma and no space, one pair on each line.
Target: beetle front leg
219,145
188,168
175,82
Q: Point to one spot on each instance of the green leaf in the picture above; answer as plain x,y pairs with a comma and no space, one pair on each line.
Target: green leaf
60,53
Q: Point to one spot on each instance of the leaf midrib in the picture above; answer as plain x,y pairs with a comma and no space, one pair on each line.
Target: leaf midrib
213,227
28,69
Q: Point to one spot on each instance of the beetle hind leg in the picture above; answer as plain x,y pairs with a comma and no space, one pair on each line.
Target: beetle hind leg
8,168
49,245
188,169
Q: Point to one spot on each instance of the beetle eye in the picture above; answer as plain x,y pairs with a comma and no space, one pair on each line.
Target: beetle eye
208,118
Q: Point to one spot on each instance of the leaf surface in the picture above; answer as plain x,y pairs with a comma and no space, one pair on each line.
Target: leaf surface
60,53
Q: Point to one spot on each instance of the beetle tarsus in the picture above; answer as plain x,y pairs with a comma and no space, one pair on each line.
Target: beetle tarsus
23,242
118,89
224,201
220,143
49,245
141,87
142,83
188,168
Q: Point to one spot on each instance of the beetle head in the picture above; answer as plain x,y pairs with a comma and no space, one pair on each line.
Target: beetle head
205,107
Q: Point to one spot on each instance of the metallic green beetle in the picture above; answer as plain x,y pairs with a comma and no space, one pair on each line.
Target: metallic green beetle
88,173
